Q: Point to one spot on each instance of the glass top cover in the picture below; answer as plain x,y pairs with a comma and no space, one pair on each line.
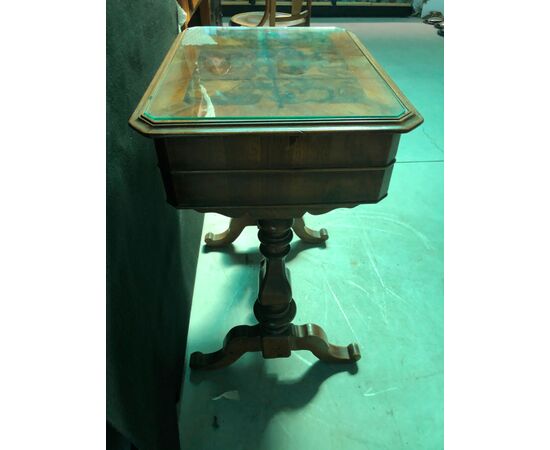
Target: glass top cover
232,73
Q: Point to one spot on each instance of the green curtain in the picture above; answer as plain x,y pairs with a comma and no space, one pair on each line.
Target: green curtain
152,248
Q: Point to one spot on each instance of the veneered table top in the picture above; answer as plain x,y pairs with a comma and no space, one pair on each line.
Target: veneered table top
242,80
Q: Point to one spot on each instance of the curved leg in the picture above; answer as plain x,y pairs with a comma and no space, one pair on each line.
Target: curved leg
313,338
236,226
239,340
307,234
244,338
275,335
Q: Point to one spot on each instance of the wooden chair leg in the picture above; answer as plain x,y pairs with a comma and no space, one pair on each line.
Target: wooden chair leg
204,11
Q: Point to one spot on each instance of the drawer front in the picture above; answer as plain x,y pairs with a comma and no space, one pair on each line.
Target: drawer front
200,189
254,152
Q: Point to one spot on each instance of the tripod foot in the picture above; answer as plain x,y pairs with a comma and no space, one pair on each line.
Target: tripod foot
307,234
239,340
236,226
313,338
244,338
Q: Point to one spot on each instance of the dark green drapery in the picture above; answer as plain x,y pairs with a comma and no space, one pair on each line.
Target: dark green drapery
151,247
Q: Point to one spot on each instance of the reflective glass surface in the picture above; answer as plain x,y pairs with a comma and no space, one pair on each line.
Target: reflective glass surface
229,73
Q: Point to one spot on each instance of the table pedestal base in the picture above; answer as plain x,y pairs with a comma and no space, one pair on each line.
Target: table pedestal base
237,225
275,335
243,339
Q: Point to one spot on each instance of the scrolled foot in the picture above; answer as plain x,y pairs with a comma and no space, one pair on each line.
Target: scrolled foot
236,226
313,338
307,234
239,340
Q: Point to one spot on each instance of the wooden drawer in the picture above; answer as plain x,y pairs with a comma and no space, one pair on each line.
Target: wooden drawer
242,188
301,151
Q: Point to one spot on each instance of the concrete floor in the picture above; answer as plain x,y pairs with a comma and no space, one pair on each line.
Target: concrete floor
378,282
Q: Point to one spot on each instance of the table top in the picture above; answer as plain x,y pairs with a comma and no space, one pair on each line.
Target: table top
268,79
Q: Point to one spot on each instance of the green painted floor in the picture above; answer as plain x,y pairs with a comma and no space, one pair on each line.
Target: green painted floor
378,282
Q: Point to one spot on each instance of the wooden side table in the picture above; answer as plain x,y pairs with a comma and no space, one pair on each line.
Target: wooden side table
264,125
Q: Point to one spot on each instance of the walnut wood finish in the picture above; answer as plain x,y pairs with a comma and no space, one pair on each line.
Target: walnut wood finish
307,234
275,335
266,176
237,225
231,80
273,152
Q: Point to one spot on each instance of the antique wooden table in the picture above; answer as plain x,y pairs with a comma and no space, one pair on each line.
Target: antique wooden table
267,124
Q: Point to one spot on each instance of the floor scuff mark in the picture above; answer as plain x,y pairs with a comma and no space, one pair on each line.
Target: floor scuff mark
342,311
369,393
